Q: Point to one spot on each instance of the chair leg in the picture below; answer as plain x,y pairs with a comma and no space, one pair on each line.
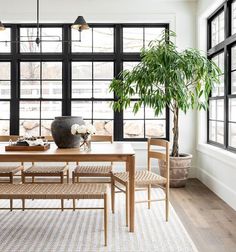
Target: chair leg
62,177
167,203
74,204
73,177
127,203
33,180
112,194
68,176
11,178
23,178
149,196
23,204
105,219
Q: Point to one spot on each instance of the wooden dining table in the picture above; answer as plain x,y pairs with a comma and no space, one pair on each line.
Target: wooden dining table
100,152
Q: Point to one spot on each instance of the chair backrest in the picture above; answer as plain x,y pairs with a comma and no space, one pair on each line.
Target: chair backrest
163,155
101,138
9,137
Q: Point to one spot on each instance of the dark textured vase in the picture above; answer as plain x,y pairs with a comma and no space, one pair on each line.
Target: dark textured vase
61,131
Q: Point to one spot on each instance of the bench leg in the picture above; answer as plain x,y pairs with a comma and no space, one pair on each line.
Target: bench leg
62,177
23,204
105,218
11,178
62,205
112,194
74,200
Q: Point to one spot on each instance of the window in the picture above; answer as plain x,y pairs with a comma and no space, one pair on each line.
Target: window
65,76
222,102
5,95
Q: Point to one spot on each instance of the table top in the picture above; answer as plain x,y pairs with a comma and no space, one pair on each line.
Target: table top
108,150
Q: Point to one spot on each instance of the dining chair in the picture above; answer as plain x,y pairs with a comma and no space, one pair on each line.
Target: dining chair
10,171
94,171
35,171
146,178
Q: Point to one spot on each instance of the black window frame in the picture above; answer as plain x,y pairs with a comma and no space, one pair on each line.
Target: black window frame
225,47
66,57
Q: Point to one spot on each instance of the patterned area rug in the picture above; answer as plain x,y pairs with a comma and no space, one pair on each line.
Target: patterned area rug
68,231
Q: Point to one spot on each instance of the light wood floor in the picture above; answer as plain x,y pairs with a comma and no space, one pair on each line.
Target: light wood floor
210,222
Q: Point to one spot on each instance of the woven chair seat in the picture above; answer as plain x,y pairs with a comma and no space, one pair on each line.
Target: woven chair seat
53,191
141,178
46,169
10,169
93,170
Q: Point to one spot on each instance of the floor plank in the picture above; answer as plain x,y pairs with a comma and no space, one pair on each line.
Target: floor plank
210,222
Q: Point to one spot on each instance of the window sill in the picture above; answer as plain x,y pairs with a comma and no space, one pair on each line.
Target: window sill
221,155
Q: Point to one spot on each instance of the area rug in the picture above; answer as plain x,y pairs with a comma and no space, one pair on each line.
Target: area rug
82,231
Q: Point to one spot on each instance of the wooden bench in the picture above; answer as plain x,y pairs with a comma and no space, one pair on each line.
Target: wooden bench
56,191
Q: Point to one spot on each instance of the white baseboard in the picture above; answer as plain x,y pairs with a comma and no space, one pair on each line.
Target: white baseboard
219,188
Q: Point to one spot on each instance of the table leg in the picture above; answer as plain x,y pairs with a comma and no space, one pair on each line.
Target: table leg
131,164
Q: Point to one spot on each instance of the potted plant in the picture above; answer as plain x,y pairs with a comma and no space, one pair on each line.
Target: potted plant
167,77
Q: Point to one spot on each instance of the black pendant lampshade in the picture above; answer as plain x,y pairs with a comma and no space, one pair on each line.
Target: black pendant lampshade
2,28
80,24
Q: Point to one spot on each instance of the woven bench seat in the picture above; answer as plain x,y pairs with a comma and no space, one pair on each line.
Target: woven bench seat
57,191
141,178
101,170
9,171
46,171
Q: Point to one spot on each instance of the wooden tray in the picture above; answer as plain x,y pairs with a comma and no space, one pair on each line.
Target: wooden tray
27,148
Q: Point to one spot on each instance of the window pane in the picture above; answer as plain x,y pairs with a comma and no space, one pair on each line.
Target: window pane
5,89
29,109
233,58
5,70
233,17
102,110
133,129
232,135
220,109
52,70
129,65
132,39
103,70
5,47
233,82
29,128
212,109
81,70
82,108
53,34
217,29
150,114
85,45
50,109
30,89
232,110
103,39
27,38
218,89
129,114
220,132
212,131
51,89
152,34
103,127
4,127
81,89
46,127
5,110
101,89
30,70
155,128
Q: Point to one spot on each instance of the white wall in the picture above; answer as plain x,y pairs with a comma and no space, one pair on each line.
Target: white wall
180,14
216,167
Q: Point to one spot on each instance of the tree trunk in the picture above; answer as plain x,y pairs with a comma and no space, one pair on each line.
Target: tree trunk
175,148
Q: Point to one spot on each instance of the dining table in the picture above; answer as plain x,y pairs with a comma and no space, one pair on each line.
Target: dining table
99,152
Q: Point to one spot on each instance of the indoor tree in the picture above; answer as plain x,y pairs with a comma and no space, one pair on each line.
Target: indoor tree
167,77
